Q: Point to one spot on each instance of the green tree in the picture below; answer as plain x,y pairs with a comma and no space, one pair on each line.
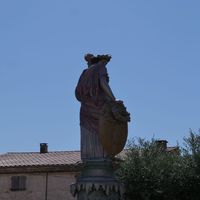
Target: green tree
149,172
192,150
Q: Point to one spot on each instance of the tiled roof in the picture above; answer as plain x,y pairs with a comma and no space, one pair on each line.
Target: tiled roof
57,158
28,162
54,158
172,149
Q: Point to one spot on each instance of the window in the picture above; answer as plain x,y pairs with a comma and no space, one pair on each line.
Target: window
18,183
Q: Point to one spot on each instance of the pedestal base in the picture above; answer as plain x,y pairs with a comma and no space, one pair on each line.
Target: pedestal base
97,182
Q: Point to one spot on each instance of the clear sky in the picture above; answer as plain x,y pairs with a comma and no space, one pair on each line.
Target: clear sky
155,67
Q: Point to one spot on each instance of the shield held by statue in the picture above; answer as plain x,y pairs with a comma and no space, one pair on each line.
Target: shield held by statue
113,128
113,136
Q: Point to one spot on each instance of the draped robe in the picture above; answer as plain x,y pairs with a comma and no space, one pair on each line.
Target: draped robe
92,97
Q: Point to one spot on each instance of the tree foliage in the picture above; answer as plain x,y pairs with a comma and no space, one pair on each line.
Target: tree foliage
150,173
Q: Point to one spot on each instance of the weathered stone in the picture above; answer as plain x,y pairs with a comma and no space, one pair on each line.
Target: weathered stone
97,182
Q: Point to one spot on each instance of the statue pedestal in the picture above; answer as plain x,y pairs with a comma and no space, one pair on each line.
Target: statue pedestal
97,182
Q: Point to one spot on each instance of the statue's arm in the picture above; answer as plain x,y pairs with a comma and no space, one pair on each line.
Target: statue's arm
106,88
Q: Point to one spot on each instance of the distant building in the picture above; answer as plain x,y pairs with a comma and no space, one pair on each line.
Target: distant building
38,176
162,144
45,175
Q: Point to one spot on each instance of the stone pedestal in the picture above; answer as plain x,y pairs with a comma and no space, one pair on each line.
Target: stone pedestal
97,182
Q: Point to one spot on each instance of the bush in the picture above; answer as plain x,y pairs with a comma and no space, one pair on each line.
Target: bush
149,172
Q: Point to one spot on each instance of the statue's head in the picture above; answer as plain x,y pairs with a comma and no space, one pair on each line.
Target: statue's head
104,58
91,59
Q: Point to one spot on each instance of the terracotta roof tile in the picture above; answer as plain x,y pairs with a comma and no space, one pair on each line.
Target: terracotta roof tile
39,159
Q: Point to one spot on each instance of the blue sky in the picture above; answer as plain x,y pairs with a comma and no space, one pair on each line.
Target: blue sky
155,67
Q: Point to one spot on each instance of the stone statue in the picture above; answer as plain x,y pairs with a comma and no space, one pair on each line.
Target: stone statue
103,122
98,107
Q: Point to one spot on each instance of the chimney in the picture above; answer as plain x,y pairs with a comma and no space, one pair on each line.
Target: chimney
43,148
162,144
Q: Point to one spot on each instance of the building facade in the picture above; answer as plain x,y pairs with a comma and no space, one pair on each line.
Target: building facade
38,176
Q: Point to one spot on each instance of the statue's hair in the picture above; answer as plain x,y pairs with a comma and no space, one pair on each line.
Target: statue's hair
98,58
95,59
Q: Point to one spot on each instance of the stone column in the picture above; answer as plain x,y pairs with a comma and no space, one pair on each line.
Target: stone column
97,182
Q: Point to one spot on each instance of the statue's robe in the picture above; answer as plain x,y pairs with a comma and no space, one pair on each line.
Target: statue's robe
92,98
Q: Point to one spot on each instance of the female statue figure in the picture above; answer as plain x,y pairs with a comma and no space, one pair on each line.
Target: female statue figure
93,92
100,112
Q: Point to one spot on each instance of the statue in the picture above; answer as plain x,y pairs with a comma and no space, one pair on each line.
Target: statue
103,123
99,110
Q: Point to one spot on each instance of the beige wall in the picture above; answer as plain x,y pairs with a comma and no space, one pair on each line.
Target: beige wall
58,187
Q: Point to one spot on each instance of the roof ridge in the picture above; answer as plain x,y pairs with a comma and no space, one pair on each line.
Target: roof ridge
35,152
